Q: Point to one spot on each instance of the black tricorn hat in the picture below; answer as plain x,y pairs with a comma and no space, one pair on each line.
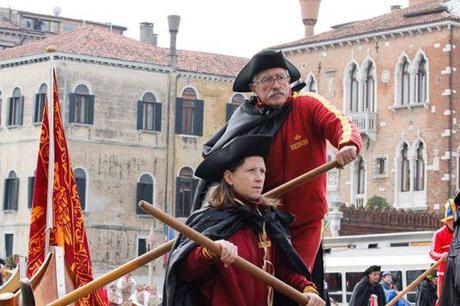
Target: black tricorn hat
372,269
263,60
212,168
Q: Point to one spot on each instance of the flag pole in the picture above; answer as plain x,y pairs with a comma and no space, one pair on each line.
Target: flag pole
49,203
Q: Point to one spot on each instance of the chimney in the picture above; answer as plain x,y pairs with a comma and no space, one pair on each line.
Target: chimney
173,22
415,2
309,10
147,35
395,7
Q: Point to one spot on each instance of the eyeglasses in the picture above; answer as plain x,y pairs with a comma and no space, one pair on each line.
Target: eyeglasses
281,78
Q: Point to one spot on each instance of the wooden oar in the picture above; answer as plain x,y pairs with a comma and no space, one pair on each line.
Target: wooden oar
240,262
414,283
166,247
114,274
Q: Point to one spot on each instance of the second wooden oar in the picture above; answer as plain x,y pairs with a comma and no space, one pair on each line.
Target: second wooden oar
240,262
414,283
114,274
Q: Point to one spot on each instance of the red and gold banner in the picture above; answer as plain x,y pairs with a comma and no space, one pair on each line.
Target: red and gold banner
68,227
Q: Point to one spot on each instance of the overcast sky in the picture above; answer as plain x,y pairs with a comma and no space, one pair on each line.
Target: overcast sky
234,27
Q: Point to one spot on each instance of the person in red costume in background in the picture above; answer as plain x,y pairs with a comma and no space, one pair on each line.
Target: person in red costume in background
301,123
441,241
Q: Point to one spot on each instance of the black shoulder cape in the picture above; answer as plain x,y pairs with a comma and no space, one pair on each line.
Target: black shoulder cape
426,293
246,120
220,224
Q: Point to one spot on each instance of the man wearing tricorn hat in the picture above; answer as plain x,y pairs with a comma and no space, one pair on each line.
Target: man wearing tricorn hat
441,242
367,286
300,124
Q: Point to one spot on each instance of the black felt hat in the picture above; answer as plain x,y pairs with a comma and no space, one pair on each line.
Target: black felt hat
212,168
263,60
372,269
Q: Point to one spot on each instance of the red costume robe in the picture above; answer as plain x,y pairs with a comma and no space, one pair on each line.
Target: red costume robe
440,244
222,286
300,146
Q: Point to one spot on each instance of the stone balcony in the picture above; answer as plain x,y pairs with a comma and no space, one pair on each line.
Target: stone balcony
366,123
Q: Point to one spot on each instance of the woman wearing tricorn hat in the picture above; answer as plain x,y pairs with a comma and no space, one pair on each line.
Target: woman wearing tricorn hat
243,223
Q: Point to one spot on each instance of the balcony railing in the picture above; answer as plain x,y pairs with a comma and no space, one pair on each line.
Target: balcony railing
366,123
359,200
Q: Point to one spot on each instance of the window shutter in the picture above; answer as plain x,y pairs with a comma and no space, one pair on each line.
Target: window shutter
81,187
14,193
140,114
20,110
5,194
31,191
139,211
90,109
179,108
10,111
179,212
157,119
36,107
72,106
199,110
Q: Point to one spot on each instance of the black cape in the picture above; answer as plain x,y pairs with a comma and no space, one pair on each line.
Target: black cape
451,287
246,120
426,294
363,290
220,224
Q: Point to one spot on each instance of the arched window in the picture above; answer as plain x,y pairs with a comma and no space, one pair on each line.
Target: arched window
185,189
40,98
189,113
352,88
236,101
16,108
419,178
10,201
421,80
311,84
80,179
405,82
405,169
81,106
145,191
149,113
369,88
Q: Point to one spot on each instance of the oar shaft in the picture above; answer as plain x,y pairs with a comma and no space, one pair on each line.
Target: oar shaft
302,179
215,248
113,275
414,283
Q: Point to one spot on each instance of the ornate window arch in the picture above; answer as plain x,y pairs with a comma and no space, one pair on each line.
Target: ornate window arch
145,191
368,86
403,81
352,87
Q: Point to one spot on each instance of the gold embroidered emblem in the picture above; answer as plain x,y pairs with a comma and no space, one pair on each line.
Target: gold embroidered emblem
299,143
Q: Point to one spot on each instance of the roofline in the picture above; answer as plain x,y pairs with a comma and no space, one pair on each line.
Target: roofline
109,62
359,37
57,18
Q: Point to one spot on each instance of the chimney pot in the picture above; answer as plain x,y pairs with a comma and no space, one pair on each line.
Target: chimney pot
395,7
173,22
309,10
415,2
146,33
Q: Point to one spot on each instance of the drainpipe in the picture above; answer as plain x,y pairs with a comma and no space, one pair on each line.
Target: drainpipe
173,21
451,108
